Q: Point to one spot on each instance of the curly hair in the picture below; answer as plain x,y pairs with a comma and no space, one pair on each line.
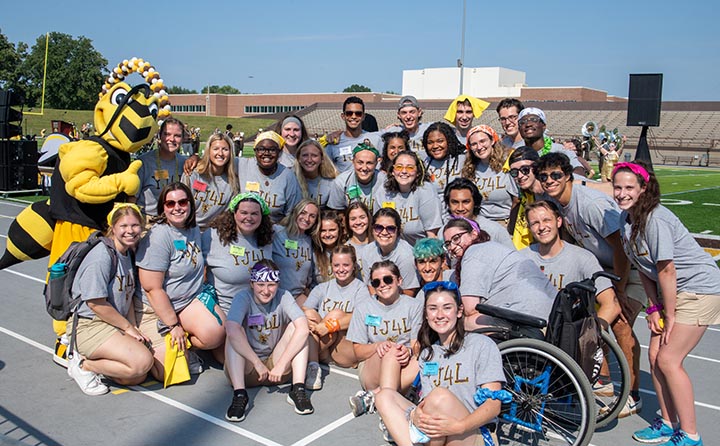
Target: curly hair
227,230
498,155
646,202
455,147
391,184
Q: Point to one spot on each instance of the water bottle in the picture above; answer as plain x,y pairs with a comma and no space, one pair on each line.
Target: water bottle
58,270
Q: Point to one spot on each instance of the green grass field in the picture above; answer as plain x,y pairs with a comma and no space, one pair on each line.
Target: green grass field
685,191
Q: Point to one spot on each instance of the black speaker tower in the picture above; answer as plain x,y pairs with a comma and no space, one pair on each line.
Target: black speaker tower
18,158
644,105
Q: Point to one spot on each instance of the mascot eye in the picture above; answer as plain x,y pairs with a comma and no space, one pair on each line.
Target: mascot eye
118,96
153,110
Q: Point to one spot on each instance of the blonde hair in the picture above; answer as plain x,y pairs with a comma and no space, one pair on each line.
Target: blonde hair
327,168
290,220
203,165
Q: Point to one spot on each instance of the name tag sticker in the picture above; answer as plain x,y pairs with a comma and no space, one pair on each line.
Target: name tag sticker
162,174
291,244
256,320
179,245
372,320
353,191
347,150
388,204
199,185
237,250
430,369
252,186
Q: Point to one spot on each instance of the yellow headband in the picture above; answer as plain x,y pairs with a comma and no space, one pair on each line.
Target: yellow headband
152,77
478,107
118,206
272,136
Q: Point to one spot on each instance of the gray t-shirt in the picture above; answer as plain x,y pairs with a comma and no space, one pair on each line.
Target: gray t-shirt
177,253
477,362
319,190
264,324
402,256
442,172
294,257
346,187
494,229
415,143
497,190
509,142
228,266
281,190
571,264
95,279
571,155
666,238
374,322
341,153
211,193
154,175
505,278
286,159
330,296
590,217
420,210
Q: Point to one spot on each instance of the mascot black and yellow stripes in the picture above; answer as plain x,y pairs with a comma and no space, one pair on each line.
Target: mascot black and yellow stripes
92,174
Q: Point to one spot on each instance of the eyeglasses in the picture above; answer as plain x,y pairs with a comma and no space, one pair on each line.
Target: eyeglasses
428,260
387,280
508,118
399,168
170,204
525,170
380,228
266,149
349,113
454,240
555,175
533,119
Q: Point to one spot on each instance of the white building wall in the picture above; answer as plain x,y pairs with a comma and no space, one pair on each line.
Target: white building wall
444,83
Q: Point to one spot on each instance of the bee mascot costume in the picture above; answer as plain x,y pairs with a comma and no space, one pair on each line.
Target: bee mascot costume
92,174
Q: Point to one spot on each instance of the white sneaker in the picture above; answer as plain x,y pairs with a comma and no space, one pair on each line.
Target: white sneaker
88,382
632,406
313,377
195,364
603,389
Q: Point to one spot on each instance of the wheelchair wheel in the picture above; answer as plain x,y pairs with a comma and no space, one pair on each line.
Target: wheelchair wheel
552,401
611,397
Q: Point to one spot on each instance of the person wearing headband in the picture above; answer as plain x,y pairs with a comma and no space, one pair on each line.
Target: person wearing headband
340,151
592,219
266,342
408,190
214,181
484,166
236,239
293,131
461,112
383,330
360,183
161,166
264,175
108,340
682,282
171,267
447,398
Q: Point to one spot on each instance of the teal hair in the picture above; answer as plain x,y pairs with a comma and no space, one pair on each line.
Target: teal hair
428,247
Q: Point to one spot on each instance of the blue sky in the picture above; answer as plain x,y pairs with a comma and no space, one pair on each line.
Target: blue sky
296,46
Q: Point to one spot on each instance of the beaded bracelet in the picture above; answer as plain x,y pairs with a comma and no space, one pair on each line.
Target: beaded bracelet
332,325
653,309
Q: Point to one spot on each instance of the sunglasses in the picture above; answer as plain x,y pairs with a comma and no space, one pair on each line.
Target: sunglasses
533,119
399,168
387,280
170,204
525,170
380,228
450,286
454,240
349,113
555,175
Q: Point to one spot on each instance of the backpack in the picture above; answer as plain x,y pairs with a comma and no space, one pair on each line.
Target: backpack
59,302
573,326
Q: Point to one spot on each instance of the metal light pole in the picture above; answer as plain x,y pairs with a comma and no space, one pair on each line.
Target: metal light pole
207,101
461,61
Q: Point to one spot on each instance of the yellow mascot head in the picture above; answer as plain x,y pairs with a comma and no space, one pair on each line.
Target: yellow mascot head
127,117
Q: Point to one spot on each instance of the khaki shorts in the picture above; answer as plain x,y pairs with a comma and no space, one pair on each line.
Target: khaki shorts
147,321
91,334
252,374
697,309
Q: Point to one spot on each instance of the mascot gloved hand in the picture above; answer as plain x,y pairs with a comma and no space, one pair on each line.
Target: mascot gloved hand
94,173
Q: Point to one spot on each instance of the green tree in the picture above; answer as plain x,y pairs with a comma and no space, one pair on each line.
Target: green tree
180,90
355,88
11,57
225,89
75,72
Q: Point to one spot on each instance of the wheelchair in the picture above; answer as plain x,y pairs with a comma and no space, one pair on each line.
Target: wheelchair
553,401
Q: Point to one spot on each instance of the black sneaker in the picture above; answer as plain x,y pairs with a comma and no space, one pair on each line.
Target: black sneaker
236,411
298,398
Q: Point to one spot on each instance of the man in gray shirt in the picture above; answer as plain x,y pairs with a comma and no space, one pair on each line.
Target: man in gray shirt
508,110
340,151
